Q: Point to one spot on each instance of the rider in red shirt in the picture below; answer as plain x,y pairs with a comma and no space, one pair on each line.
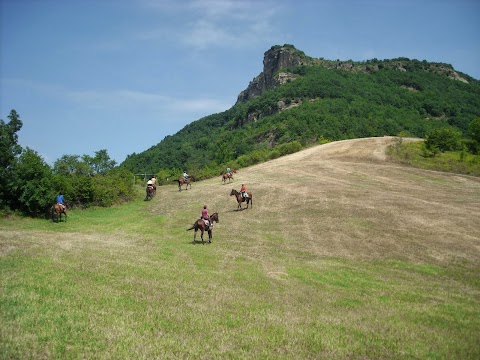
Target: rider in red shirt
243,191
205,216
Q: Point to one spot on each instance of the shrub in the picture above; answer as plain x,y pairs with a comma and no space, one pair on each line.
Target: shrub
444,139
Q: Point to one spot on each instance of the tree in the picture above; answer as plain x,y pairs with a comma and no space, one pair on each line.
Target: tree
8,139
31,184
473,144
100,163
443,139
474,130
9,149
71,165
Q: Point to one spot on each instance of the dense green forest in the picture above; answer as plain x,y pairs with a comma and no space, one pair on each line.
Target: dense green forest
321,104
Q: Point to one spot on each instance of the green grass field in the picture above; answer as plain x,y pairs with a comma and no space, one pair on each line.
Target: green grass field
336,259
412,153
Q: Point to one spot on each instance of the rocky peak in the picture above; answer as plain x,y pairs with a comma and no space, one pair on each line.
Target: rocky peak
275,59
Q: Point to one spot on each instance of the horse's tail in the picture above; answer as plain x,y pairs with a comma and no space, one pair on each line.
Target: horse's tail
193,227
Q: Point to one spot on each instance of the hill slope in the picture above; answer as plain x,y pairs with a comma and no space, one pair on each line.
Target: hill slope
342,255
345,199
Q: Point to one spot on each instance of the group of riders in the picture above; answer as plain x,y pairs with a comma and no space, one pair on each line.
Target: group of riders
152,186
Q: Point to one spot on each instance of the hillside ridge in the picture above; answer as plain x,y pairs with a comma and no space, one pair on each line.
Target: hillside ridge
298,101
279,59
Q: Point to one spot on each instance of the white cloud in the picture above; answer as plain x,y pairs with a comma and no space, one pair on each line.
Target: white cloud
129,98
204,24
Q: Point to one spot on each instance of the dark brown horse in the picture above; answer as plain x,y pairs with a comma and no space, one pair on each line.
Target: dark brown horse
57,210
182,181
241,199
200,225
150,192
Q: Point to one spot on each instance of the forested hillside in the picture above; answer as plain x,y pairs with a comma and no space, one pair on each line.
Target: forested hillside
312,101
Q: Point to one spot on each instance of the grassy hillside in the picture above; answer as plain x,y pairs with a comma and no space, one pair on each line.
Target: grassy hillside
343,255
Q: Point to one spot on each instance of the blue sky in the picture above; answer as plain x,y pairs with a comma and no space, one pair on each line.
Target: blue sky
120,75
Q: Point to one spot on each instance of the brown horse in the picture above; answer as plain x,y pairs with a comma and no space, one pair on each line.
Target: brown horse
182,181
241,199
226,176
200,225
57,210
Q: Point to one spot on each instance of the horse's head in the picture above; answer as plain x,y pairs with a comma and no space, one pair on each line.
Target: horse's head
214,217
233,192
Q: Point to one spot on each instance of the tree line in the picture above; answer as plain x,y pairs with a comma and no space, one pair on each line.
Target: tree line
29,185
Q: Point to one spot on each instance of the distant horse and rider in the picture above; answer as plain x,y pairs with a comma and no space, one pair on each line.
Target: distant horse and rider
151,188
228,175
185,181
204,225
246,197
150,192
57,210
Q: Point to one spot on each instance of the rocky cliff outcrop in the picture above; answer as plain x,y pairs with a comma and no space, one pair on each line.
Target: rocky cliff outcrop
275,59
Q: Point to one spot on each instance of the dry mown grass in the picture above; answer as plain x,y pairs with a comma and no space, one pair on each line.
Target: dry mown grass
345,200
342,255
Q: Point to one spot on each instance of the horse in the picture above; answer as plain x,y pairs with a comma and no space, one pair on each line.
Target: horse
181,181
150,192
241,199
57,210
226,176
200,225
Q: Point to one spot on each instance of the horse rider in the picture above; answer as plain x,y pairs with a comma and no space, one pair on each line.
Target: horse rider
152,182
60,200
185,175
205,217
243,191
229,171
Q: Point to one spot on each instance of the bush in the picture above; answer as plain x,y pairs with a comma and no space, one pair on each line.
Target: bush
444,139
289,148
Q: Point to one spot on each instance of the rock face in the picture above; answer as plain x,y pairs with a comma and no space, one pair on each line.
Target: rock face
275,59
